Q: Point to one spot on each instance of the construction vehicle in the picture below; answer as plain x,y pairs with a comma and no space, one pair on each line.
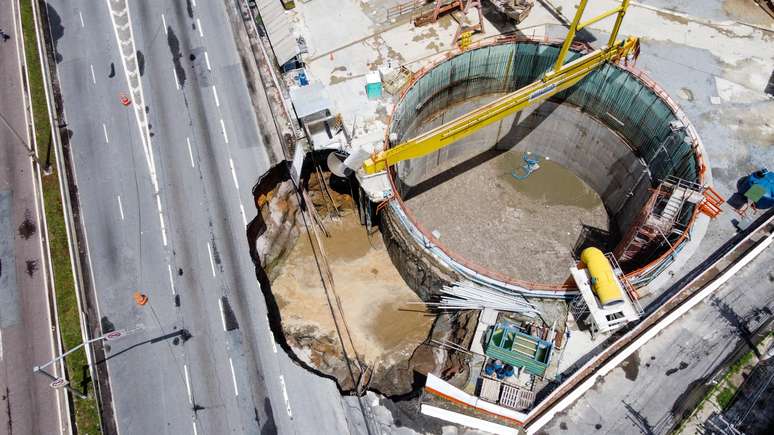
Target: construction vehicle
560,77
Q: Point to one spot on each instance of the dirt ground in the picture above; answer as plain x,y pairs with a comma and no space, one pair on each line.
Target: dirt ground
385,328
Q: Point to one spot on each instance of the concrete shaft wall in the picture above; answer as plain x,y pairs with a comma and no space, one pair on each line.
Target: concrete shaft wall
561,132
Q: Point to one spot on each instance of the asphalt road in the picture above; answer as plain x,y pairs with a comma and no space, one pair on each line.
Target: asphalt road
27,403
205,151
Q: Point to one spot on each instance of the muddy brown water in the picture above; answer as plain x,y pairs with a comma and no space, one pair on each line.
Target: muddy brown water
379,307
551,183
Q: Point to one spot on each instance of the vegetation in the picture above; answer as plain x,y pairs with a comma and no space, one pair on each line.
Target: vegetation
86,412
723,398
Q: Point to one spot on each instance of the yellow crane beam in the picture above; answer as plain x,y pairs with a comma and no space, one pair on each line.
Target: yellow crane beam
561,77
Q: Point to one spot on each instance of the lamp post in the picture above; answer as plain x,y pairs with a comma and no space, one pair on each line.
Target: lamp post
56,382
30,151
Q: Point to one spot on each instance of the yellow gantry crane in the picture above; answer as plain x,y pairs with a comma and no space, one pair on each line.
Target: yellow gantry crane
559,78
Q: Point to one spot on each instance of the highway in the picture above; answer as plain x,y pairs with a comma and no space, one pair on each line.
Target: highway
165,210
27,404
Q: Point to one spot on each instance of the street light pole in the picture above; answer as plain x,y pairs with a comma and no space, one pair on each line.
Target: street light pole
62,382
30,151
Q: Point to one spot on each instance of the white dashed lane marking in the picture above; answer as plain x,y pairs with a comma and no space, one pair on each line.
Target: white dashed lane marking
223,127
188,384
190,152
222,313
233,377
285,394
212,262
215,94
120,207
171,279
233,172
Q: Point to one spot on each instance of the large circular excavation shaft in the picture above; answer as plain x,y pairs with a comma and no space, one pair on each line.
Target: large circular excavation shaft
518,200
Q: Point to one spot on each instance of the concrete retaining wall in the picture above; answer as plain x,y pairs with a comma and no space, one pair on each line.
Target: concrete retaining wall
561,132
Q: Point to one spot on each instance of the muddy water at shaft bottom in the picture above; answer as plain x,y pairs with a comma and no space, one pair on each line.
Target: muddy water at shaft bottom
551,183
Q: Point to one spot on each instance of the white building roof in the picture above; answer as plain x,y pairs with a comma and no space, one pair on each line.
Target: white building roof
278,28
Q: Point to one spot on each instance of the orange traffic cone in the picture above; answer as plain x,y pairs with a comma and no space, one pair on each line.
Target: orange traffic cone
140,298
125,100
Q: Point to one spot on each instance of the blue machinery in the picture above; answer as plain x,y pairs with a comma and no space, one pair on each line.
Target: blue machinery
758,188
530,165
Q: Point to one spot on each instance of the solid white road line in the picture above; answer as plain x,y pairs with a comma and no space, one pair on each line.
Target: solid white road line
104,128
177,82
285,394
199,26
212,262
215,93
194,426
193,3
171,279
233,173
188,384
190,153
93,78
223,127
81,15
207,61
222,313
1,349
120,207
233,377
164,23
242,210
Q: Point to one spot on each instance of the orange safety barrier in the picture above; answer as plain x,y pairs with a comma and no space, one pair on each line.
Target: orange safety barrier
712,202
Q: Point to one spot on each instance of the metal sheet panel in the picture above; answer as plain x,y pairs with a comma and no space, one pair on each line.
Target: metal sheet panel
309,99
490,389
278,28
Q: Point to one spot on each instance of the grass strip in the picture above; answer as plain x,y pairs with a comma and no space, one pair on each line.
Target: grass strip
86,411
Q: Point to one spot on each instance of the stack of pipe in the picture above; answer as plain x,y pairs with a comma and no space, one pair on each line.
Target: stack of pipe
470,296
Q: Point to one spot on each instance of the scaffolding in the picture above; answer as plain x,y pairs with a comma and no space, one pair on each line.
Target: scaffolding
660,217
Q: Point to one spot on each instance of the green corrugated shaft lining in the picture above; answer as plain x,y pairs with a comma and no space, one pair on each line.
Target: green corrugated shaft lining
608,91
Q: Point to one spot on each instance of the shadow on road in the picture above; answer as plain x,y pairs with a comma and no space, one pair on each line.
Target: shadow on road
183,335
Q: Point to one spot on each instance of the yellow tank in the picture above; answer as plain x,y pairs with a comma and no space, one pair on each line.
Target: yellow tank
603,280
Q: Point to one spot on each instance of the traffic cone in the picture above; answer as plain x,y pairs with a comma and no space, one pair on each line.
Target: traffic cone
140,298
